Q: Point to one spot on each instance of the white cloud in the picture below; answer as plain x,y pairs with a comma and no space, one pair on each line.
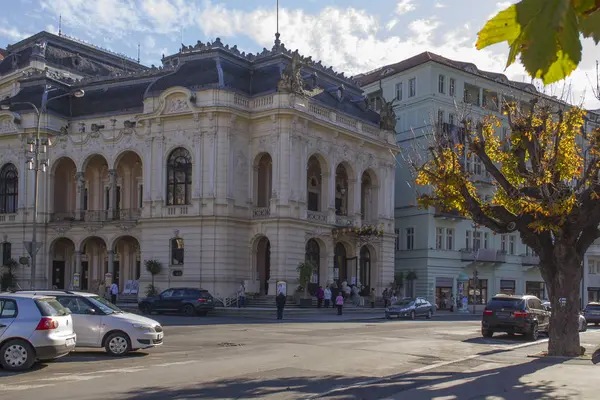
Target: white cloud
351,40
12,32
440,5
405,6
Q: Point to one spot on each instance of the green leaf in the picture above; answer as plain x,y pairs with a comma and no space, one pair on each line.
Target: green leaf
590,26
544,32
582,6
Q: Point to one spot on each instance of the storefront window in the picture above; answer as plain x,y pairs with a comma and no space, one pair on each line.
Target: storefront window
477,294
507,287
536,289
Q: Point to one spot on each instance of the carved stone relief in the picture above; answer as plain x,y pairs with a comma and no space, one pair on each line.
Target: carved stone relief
7,126
176,105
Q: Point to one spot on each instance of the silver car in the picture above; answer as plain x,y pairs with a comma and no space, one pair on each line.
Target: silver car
33,328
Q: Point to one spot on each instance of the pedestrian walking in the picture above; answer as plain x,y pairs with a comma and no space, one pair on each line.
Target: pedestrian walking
102,289
242,295
280,301
327,296
339,303
372,298
114,291
320,296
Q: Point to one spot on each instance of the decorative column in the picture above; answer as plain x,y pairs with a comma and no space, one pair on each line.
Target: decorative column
112,195
78,267
355,184
79,198
111,263
198,170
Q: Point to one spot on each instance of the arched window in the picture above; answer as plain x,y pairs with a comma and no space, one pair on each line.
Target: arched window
179,177
9,184
177,251
313,254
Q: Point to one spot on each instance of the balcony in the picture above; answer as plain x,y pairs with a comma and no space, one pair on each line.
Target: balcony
344,220
62,217
316,216
95,215
530,260
131,214
482,255
8,217
261,212
451,131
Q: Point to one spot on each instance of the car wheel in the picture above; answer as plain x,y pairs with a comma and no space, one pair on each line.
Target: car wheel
117,344
429,314
145,308
487,333
534,334
413,315
17,355
189,310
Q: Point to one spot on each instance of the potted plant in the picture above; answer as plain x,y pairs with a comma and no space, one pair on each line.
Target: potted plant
8,279
153,267
305,270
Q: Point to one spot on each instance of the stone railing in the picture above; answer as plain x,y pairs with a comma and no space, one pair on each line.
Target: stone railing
62,216
173,211
316,216
95,215
130,214
344,220
8,217
261,212
482,255
529,260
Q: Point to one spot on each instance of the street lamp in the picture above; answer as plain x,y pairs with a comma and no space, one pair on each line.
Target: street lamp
37,146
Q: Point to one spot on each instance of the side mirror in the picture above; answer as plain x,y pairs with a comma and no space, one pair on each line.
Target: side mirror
91,311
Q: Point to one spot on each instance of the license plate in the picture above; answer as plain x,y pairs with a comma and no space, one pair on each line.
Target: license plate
503,315
159,336
70,342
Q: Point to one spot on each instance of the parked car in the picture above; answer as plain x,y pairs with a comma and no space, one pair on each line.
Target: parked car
99,323
582,321
592,313
515,314
33,328
411,308
189,301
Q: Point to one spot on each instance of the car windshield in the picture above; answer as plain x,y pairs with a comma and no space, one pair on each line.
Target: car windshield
51,308
104,305
508,303
594,307
405,303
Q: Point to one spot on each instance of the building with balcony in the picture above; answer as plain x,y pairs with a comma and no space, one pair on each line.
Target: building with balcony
224,166
447,252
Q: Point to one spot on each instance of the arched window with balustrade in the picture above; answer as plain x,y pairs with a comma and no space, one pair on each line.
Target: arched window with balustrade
9,189
179,177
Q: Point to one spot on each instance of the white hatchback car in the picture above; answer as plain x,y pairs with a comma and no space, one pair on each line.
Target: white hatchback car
33,328
99,323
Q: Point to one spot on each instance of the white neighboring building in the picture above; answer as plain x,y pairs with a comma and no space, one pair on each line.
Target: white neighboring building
438,246
215,165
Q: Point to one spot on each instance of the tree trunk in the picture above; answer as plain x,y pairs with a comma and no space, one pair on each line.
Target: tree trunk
563,277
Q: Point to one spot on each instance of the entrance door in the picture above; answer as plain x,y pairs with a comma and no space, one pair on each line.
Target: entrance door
58,274
84,275
117,273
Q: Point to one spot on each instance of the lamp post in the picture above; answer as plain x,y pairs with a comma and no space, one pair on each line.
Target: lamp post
475,272
36,147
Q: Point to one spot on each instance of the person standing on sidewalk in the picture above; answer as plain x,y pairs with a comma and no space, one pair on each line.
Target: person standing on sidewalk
339,303
327,296
320,295
242,296
280,301
114,291
373,298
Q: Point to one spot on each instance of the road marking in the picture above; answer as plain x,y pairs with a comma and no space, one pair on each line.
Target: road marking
22,387
423,369
177,363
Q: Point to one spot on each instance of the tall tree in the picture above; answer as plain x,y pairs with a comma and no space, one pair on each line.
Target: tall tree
545,187
545,33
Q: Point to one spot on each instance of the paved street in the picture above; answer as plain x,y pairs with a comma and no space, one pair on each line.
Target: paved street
225,358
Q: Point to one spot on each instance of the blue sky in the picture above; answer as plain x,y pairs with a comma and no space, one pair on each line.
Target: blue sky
351,35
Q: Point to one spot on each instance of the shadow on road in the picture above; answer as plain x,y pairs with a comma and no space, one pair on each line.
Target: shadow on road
97,355
38,366
504,382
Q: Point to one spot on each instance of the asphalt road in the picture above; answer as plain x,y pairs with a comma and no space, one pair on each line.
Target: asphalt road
219,358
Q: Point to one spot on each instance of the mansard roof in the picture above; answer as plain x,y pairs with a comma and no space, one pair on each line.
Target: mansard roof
205,66
67,54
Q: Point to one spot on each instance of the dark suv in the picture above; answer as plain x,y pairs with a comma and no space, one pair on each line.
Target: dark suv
515,314
189,301
592,313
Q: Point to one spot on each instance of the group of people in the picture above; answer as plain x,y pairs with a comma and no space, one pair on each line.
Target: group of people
113,291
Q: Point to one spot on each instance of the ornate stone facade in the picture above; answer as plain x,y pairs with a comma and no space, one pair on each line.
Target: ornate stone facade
218,185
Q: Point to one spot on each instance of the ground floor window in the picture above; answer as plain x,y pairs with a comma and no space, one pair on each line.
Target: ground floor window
593,294
537,289
477,292
507,286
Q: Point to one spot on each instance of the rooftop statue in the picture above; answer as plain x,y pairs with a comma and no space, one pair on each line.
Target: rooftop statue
291,77
388,116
